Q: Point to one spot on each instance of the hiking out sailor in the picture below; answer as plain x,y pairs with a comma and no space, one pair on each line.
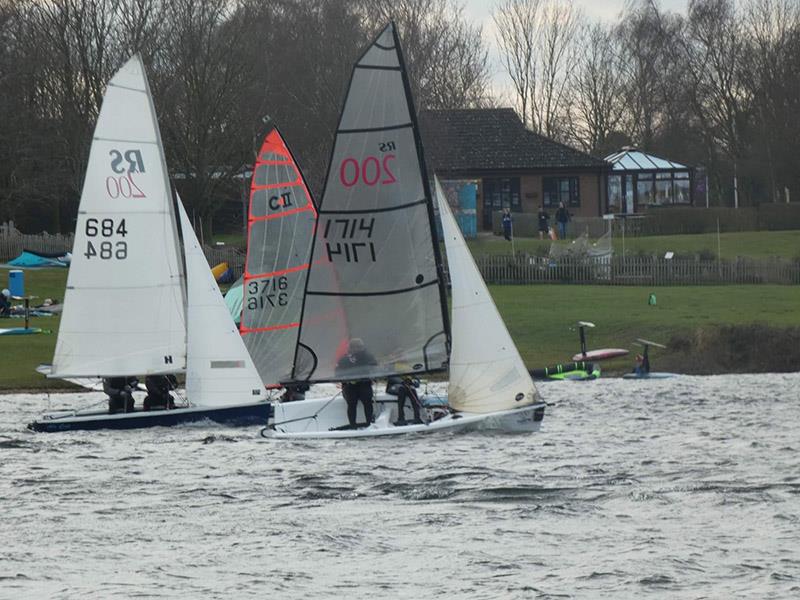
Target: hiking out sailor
356,390
120,393
158,391
404,389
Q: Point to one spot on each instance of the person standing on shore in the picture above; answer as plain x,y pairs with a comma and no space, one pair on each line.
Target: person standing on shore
544,223
562,218
507,224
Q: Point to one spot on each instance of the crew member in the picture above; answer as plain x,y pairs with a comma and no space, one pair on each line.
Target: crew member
356,390
158,388
120,393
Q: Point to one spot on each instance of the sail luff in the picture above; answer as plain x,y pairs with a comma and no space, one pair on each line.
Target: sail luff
437,251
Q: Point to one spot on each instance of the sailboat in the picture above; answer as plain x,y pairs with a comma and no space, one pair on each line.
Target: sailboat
137,303
376,276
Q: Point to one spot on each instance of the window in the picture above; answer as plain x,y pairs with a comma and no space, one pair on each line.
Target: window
561,189
614,193
645,193
500,193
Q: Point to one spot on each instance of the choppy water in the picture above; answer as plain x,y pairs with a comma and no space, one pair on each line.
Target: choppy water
685,488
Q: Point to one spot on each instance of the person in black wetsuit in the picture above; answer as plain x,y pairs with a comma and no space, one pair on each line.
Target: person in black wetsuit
158,392
359,389
404,389
120,393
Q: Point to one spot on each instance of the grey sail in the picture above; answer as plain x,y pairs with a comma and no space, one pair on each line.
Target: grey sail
281,222
376,272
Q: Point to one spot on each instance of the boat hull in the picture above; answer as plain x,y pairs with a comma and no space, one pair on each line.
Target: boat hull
324,418
237,416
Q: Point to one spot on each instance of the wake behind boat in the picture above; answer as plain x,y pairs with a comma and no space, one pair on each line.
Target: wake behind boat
131,309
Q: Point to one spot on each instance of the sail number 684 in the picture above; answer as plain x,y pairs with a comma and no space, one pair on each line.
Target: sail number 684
107,249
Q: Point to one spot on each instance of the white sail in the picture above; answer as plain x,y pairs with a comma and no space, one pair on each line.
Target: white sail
124,308
374,274
219,371
486,371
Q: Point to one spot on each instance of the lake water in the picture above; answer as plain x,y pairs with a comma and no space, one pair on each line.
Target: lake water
683,488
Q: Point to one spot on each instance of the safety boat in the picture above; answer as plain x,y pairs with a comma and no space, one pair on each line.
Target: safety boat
375,282
131,308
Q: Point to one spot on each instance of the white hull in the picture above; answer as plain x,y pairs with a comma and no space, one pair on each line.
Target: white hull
322,418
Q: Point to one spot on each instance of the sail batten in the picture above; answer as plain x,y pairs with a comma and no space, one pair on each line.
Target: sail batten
375,276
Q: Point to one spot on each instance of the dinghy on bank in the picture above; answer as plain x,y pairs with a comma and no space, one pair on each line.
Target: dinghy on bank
130,308
376,278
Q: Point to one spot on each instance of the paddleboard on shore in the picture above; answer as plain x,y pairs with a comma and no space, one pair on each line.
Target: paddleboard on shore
600,354
649,375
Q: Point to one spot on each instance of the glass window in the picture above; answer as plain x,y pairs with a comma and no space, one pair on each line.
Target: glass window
682,192
560,189
614,193
645,192
663,192
681,175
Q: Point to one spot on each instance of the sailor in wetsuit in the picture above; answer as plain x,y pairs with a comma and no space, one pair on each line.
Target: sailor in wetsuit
120,393
404,388
158,388
360,389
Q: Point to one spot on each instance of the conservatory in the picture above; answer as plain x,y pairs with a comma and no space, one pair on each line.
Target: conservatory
638,181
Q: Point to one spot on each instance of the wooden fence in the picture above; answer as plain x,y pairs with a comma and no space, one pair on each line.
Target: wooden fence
520,269
12,242
649,271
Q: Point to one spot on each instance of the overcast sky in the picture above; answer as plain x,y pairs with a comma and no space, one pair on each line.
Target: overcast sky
480,12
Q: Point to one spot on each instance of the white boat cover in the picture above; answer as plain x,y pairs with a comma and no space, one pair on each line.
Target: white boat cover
486,371
219,371
281,221
124,306
374,274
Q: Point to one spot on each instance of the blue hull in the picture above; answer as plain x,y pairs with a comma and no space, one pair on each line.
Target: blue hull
235,416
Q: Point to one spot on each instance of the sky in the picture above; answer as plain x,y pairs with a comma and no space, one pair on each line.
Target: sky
480,12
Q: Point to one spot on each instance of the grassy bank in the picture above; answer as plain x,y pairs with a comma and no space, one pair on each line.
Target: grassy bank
695,321
755,244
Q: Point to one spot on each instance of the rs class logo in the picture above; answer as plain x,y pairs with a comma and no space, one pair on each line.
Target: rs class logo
129,161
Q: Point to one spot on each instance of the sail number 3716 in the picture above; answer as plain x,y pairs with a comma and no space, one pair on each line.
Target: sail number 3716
106,249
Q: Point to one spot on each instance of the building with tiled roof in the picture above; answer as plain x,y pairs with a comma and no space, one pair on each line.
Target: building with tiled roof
512,166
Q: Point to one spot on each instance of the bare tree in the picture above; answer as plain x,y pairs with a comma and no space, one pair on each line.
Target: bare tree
516,24
559,24
596,106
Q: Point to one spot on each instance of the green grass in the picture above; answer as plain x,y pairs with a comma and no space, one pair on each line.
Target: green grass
22,354
748,243
540,319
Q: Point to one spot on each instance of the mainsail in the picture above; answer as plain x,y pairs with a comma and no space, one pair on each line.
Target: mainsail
486,371
124,306
281,223
376,271
219,371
